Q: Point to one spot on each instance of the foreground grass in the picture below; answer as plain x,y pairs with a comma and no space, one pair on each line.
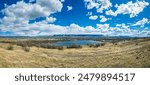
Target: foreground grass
135,53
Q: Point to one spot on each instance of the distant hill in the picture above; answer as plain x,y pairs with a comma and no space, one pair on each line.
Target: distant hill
69,36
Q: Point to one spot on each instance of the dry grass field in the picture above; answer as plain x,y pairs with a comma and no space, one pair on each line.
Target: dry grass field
134,53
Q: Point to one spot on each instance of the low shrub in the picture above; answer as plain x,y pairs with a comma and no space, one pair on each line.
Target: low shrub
51,47
74,46
42,45
60,48
90,45
26,49
136,44
10,47
96,45
103,44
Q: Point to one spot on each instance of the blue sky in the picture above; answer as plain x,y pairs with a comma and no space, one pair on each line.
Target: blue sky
48,17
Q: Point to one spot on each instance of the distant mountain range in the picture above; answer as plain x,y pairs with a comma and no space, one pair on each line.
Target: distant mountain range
69,36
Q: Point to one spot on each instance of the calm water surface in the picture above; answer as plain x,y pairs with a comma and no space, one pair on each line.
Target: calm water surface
76,42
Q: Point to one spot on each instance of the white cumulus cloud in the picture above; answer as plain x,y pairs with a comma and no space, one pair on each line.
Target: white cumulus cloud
103,18
100,5
93,17
17,16
23,12
69,8
89,14
110,12
51,19
123,26
103,26
133,9
142,22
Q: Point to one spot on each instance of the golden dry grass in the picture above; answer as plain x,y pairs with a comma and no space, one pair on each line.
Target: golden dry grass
134,53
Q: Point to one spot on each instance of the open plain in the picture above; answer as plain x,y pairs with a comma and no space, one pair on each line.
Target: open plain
132,53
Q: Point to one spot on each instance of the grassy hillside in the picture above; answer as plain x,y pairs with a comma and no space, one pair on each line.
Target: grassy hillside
134,53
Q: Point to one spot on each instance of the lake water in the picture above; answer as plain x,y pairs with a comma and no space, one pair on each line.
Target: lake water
76,42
